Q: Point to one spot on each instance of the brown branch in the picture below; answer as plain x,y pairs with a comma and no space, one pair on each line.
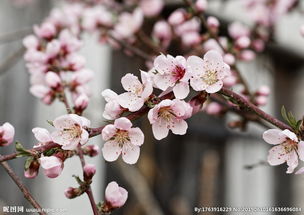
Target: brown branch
251,107
21,186
88,190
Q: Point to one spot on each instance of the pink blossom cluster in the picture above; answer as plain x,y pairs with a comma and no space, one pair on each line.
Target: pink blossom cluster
7,133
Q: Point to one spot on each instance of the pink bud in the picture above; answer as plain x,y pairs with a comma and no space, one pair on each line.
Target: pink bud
201,5
213,108
91,150
115,196
52,166
177,17
230,81
33,170
258,45
31,42
162,30
213,22
247,55
71,192
229,59
39,91
191,38
261,100
89,171
242,42
151,8
47,30
7,133
81,102
52,80
263,90
237,29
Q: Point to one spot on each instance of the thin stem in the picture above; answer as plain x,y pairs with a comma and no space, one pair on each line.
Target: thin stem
65,101
21,186
247,104
88,190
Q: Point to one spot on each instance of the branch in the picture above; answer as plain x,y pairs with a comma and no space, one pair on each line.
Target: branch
88,190
247,104
21,186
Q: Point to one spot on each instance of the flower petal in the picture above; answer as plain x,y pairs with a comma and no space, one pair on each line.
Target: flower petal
274,136
42,135
111,151
136,136
181,90
130,83
130,153
108,132
130,101
277,155
215,87
123,123
160,130
179,127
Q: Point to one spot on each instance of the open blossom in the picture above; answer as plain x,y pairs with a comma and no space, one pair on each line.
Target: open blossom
171,72
137,93
7,133
70,131
115,195
288,148
121,138
169,115
151,7
112,108
208,73
52,166
42,135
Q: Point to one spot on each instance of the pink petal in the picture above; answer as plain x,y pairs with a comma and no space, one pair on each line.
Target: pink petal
179,127
130,101
136,136
198,84
292,161
274,136
111,151
163,81
195,64
160,130
123,123
65,121
108,132
213,56
290,135
115,195
84,137
181,90
301,150
130,83
49,162
109,95
130,153
164,64
215,87
277,155
42,135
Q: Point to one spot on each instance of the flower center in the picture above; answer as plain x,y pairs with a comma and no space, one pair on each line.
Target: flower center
210,77
121,137
178,73
166,113
74,132
289,145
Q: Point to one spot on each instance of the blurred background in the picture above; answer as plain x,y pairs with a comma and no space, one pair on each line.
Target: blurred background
209,166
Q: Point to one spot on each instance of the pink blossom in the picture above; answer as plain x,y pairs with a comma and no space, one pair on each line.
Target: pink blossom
91,150
201,5
191,39
243,42
230,81
7,133
261,100
229,59
112,108
52,79
47,30
151,7
237,30
115,196
94,17
177,17
263,90
171,72
81,102
128,24
42,135
190,26
213,22
213,108
258,45
162,32
212,44
288,148
70,131
33,169
52,166
247,55
31,42
137,93
169,115
208,73
121,138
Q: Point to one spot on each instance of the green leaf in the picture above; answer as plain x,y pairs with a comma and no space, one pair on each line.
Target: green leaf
28,162
283,113
50,152
50,122
299,123
22,152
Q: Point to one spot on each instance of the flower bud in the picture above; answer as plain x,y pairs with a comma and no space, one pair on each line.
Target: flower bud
89,171
72,192
91,150
81,102
261,100
201,5
213,23
115,196
33,169
52,166
7,133
243,42
263,91
177,17
52,80
213,108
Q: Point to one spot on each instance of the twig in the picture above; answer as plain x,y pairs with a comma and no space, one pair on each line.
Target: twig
88,190
140,188
133,49
65,101
22,187
11,60
250,106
